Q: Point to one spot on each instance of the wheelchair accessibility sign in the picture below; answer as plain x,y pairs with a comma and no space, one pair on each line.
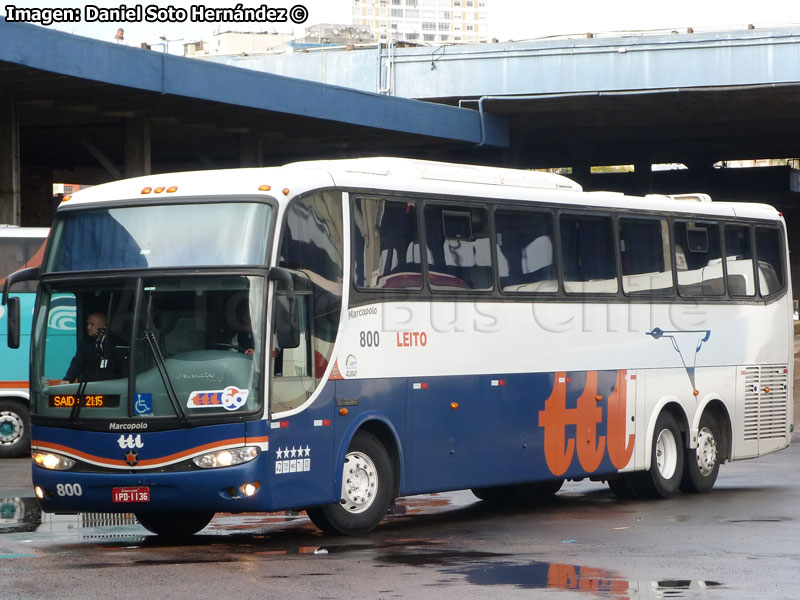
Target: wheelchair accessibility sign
143,404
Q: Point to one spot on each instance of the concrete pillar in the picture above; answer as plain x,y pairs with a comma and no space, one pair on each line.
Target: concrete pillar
251,150
643,174
137,147
581,173
37,190
9,161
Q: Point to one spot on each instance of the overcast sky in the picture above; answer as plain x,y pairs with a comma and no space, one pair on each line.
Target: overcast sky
508,19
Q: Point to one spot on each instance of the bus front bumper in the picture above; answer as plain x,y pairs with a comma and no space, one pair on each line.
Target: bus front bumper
239,488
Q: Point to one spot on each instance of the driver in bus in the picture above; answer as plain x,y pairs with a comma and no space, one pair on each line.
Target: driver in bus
93,360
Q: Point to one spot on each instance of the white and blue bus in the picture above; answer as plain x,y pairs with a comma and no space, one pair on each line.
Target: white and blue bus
20,247
331,335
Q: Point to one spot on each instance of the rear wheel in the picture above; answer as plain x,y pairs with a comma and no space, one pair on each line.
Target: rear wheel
663,479
367,490
15,429
702,464
174,525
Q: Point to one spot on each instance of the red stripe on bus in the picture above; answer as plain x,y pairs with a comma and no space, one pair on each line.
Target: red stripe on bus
13,384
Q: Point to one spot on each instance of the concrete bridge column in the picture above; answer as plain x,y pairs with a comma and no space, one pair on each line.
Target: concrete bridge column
137,147
251,150
581,173
9,161
643,175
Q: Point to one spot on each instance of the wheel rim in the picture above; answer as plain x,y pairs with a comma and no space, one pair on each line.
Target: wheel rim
359,483
706,451
11,428
666,454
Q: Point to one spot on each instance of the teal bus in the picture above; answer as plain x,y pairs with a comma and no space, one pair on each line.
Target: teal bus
20,247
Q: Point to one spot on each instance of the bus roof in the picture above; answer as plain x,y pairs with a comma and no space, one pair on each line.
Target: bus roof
401,175
14,231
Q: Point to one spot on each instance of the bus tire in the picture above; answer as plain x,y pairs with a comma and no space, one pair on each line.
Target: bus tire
15,428
663,479
174,525
367,490
701,466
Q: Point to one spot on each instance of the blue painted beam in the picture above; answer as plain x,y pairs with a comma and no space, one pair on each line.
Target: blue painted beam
74,56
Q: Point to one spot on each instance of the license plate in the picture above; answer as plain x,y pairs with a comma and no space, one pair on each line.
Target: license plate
131,494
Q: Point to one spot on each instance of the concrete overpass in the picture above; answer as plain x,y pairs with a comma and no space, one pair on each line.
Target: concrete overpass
695,98
77,110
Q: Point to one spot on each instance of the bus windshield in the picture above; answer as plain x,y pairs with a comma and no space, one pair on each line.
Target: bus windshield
157,347
177,235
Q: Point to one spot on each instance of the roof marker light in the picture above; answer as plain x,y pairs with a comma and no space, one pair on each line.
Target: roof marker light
285,191
264,188
147,190
172,189
67,198
158,190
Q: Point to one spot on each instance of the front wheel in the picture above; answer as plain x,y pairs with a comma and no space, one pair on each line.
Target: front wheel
174,525
702,464
367,490
663,479
15,428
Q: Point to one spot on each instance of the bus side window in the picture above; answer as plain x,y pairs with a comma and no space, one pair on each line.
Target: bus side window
312,243
644,250
386,250
702,257
459,248
18,253
587,252
769,252
293,378
739,261
525,251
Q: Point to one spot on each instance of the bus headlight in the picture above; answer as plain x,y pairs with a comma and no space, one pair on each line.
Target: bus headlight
226,458
55,462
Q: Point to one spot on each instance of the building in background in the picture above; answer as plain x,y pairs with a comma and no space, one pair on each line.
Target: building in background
424,21
235,43
331,33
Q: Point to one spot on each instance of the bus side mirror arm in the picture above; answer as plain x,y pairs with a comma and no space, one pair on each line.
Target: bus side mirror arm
287,319
13,304
284,275
30,274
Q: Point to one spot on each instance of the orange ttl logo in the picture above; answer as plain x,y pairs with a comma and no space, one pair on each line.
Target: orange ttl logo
591,448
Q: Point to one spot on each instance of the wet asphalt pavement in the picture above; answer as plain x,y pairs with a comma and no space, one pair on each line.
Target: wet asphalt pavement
742,540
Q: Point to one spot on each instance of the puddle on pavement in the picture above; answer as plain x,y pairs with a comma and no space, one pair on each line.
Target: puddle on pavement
260,535
488,569
20,515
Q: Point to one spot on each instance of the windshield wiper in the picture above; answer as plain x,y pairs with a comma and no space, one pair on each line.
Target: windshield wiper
150,337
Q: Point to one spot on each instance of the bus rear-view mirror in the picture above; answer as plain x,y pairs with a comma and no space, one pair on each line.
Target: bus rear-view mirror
13,322
287,321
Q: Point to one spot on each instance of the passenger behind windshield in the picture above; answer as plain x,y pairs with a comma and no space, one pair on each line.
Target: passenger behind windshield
95,359
237,334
